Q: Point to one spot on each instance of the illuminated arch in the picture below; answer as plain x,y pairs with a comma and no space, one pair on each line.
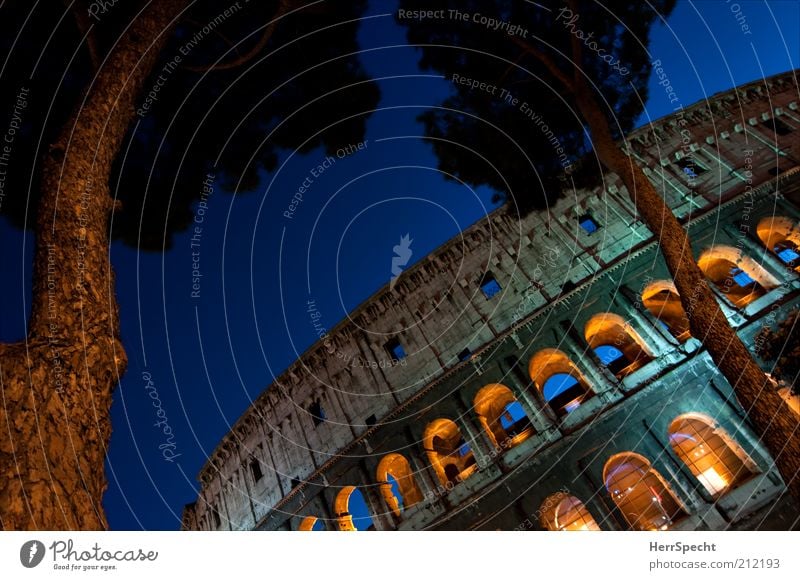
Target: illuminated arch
502,416
448,452
396,467
342,506
716,460
792,400
311,524
738,276
564,512
640,493
616,343
781,235
662,300
558,379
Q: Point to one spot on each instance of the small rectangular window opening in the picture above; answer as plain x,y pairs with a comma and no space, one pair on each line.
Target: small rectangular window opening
588,224
690,167
489,285
395,349
255,468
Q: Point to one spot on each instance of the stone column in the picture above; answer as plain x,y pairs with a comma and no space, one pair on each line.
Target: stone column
601,378
379,511
533,405
659,343
246,472
224,500
423,476
482,447
660,327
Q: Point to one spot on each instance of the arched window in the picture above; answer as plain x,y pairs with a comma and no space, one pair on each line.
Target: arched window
714,458
616,343
311,524
449,453
351,510
736,275
781,235
502,416
397,484
561,383
640,493
662,301
563,512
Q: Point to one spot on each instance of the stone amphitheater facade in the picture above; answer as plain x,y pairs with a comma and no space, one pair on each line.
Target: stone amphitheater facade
538,373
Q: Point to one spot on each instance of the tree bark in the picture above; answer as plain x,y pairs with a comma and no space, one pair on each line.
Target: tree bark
55,388
774,422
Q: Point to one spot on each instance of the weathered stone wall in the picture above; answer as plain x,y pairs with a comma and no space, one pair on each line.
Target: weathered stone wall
554,276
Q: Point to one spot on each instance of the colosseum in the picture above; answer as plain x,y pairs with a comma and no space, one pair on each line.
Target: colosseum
539,373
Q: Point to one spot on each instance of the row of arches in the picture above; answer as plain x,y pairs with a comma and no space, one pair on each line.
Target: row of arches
638,491
739,278
617,346
621,349
641,494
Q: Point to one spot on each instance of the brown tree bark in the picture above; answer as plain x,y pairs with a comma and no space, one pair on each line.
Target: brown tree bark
774,422
55,388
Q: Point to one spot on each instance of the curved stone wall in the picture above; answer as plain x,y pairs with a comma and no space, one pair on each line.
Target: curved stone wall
520,376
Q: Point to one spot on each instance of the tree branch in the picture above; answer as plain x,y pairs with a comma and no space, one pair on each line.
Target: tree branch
216,31
281,10
80,13
548,62
510,68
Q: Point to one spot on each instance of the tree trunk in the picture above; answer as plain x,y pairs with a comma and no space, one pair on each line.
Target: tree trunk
56,386
775,424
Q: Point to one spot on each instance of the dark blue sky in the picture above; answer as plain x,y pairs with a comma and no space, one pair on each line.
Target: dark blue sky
208,357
